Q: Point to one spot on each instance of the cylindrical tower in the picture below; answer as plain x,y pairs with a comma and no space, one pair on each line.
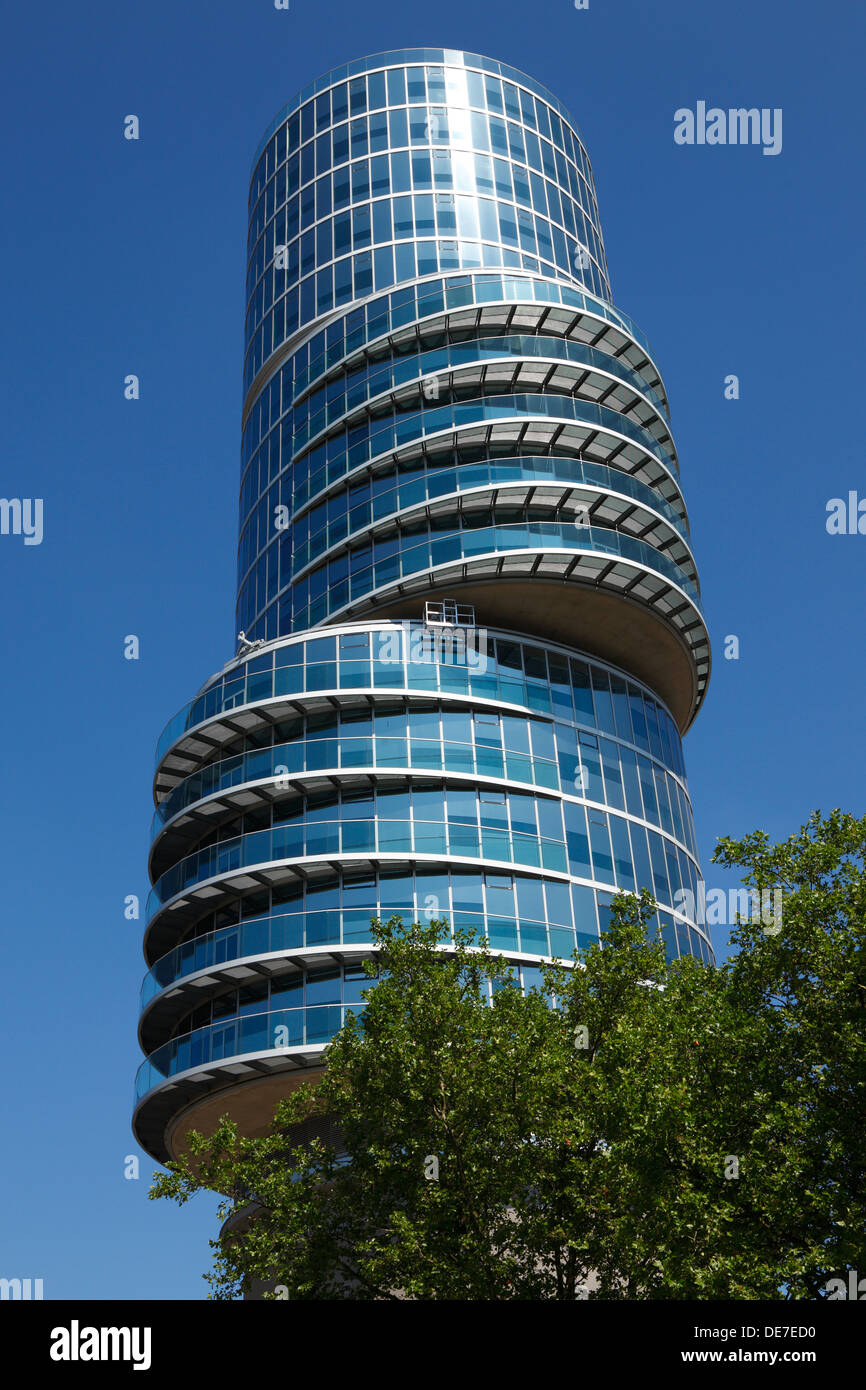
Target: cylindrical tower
471,614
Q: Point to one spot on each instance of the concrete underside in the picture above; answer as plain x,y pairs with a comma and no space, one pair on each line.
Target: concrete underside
610,626
251,1103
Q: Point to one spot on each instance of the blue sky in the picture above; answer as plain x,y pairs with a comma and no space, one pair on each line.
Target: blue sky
123,257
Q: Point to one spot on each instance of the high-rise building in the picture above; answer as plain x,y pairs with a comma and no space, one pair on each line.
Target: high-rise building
472,632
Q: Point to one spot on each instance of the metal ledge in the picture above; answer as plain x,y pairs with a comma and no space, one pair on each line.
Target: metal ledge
167,924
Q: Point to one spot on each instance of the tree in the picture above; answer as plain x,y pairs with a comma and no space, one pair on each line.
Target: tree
810,980
635,1128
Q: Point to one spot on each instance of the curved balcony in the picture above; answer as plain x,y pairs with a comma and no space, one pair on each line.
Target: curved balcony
325,757
365,742
358,663
604,512
260,947
315,1024
312,363
567,487
407,425
651,620
639,830
518,353
359,576
556,415
499,298
287,1033
415,486
299,935
340,839
597,494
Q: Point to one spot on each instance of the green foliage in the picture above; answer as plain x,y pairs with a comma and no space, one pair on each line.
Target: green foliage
632,1130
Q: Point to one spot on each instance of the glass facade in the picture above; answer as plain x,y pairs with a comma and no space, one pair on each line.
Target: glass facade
441,399
407,170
